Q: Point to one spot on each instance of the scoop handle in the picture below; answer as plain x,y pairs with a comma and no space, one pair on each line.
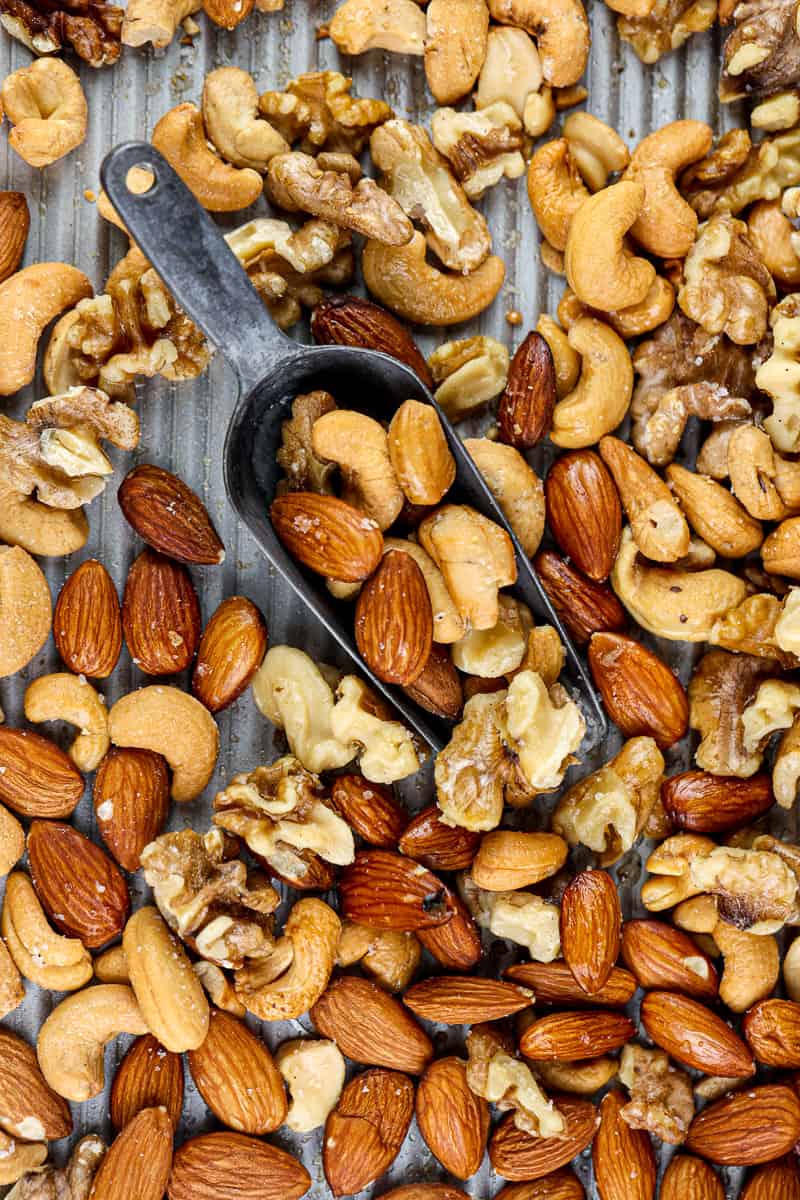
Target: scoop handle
190,254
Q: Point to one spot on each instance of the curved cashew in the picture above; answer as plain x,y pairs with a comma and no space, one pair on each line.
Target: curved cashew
46,105
18,1158
12,989
313,930
71,698
774,237
359,446
595,147
12,841
555,190
561,31
59,964
600,399
401,279
395,25
629,322
567,362
715,515
680,605
25,609
74,1036
112,966
155,21
600,269
38,528
174,724
515,486
169,994
29,301
780,552
448,625
659,527
667,223
751,960
230,113
455,47
181,138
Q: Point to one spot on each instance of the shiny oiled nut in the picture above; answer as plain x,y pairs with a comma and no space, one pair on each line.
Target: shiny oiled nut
328,536
237,1077
664,957
591,923
131,802
701,802
525,409
148,1077
639,691
231,650
37,779
87,628
394,620
584,511
584,606
169,516
693,1034
160,615
772,1030
371,809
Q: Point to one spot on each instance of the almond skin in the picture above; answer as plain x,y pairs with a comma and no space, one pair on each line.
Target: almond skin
351,321
591,920
391,891
753,1126
554,983
169,516
774,1181
664,957
623,1158
456,945
525,409
438,688
772,1029
327,536
584,512
231,650
689,1178
576,1035
15,222
80,888
87,626
235,1074
370,809
364,1132
559,1185
425,1191
25,1096
456,1000
205,1167
640,693
518,1156
693,1034
148,1077
507,859
160,615
138,1161
584,606
37,779
438,846
452,1119
394,620
371,1027
131,802
700,802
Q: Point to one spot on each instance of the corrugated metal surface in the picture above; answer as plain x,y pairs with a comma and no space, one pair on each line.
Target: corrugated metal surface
183,426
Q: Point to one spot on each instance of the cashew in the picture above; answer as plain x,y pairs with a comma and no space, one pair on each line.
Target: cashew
555,190
752,961
791,970
596,149
600,269
230,113
181,138
40,529
12,841
46,105
780,552
515,486
112,966
715,514
476,558
18,1158
155,21
667,224
601,396
171,723
566,360
511,72
29,301
754,470
360,448
659,527
12,989
313,1070
401,279
448,625
394,25
583,1078
25,609
774,237
65,697
312,929
74,1036
455,47
59,964
561,31
169,994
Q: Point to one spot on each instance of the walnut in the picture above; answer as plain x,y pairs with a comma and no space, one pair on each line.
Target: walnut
661,1100
762,55
491,653
90,27
389,955
779,377
519,917
388,751
702,182
71,1182
495,1073
302,470
667,25
787,627
468,373
728,289
209,898
482,147
774,708
720,689
769,168
317,110
750,628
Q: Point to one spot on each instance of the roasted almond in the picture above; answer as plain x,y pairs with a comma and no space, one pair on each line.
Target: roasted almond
508,860
351,321
693,1034
584,606
237,1077
80,888
15,222
558,1185
138,1161
752,1126
391,891
773,1181
664,957
704,803
438,846
584,512
160,615
591,920
131,802
29,1108
169,516
364,1132
231,650
327,536
87,626
148,1077
425,1191
370,809
570,1036
525,409
640,693
207,1167
517,1156
371,1027
438,688
554,983
394,620
460,1000
452,1119
623,1158
37,779
456,945
689,1178
772,1029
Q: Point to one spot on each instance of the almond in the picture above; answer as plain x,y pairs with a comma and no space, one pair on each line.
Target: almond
752,1126
160,615
554,983
29,1108
640,693
37,779
704,803
460,1000
231,650
623,1158
87,626
518,1156
688,1178
438,846
169,516
508,860
425,1191
364,1132
584,512
228,13
456,945
138,1161
235,1074
371,1027
775,1181
370,809
693,1034
772,1029
15,222
438,688
452,1119
571,1036
351,321
664,957
327,536
148,1077
131,802
80,888
207,1167
591,921
525,409
584,606
391,891
559,1185
394,620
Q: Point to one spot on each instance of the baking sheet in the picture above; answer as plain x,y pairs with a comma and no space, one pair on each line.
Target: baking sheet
183,426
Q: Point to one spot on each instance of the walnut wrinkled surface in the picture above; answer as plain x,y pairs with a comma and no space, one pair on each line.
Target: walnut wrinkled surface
667,25
762,55
750,628
779,377
482,147
494,1073
703,181
71,1182
317,111
662,1101
302,470
520,917
769,167
91,28
720,690
727,288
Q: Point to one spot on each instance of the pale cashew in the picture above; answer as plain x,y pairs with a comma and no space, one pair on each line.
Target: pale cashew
455,47
25,609
774,237
596,148
219,988
659,527
555,190
12,841
174,724
448,624
476,558
230,113
359,446
155,21
629,322
74,1036
18,1158
12,989
714,514
600,399
71,698
314,1072
112,966
791,970
401,279
512,74
561,31
29,301
312,929
566,360
394,25
180,136
46,105
667,223
600,269
40,529
169,994
53,962
515,486
751,960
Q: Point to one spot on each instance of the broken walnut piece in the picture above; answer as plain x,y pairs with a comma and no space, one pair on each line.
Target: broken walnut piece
727,288
721,687
661,1097
495,1073
317,111
91,28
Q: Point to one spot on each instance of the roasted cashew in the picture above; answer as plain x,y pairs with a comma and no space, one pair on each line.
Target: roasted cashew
181,137
561,31
169,994
53,962
658,526
25,609
12,841
394,25
512,73
630,322
566,360
71,698
40,529
171,723
230,113
455,47
774,237
74,1036
359,446
751,960
596,149
601,396
111,966
714,514
46,105
312,928
667,223
555,190
515,486
601,271
780,552
29,301
155,21
12,989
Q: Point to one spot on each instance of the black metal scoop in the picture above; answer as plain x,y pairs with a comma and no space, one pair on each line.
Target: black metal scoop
190,254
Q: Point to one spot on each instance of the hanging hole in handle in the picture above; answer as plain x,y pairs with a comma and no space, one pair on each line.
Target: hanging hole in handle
141,180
